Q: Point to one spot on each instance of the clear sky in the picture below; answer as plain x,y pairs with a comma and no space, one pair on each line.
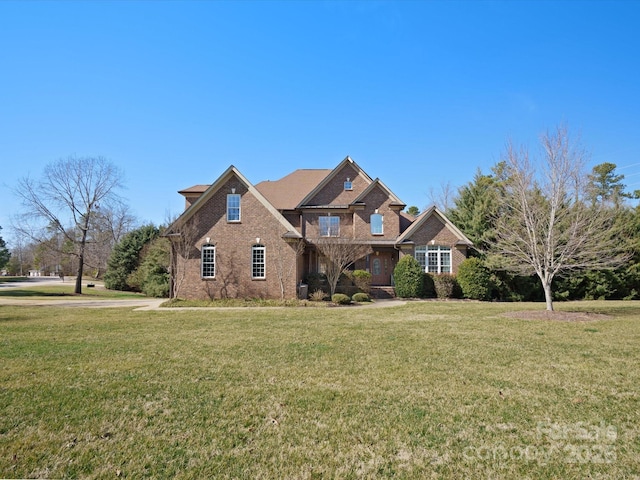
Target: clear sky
418,93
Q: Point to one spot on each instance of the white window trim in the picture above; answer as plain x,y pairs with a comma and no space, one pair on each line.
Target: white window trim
329,228
381,232
234,195
263,263
213,262
439,250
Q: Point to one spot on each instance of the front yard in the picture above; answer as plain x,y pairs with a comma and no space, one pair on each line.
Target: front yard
427,390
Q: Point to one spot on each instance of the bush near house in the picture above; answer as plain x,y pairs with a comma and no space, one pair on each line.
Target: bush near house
446,285
360,297
474,279
341,299
362,280
408,276
428,287
317,281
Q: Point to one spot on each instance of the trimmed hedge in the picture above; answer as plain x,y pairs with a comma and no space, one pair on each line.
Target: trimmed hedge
340,299
360,297
474,279
445,285
408,278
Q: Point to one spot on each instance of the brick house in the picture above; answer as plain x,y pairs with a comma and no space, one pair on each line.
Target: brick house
236,239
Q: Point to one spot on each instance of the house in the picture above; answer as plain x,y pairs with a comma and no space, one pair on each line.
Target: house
236,239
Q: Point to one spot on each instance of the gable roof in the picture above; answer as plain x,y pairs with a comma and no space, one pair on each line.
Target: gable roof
378,183
331,176
215,186
422,218
286,193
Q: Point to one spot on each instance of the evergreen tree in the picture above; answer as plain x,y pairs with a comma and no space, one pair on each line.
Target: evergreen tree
126,257
5,255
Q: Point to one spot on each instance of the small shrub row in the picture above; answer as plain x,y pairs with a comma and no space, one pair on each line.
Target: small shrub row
341,299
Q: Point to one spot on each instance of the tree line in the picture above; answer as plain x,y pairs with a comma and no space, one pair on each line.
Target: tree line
543,228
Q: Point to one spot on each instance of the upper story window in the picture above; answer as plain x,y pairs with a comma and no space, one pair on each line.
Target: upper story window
329,226
348,185
208,261
233,207
376,221
434,258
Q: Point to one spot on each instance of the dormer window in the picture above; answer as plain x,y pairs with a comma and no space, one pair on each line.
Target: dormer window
347,184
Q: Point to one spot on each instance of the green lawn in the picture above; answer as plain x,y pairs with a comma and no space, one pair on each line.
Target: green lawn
428,390
39,292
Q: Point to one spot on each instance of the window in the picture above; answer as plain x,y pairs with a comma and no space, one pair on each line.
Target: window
434,258
208,261
233,207
258,261
329,226
348,185
376,224
421,256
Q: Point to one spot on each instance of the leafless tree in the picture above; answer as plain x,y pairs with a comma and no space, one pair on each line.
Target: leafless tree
110,224
546,225
183,237
66,199
340,253
443,198
284,266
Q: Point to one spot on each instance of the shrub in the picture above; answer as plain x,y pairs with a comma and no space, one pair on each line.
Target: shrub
445,285
360,297
474,279
362,280
317,296
408,277
126,257
428,287
340,299
317,281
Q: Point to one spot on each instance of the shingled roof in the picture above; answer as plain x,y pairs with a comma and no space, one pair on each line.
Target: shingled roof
288,192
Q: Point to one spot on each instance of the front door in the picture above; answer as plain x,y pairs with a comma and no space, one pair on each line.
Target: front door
381,268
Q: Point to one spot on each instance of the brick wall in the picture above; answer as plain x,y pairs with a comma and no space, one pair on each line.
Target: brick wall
434,229
334,193
233,242
377,199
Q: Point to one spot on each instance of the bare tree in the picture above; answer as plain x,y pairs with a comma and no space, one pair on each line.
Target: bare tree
66,199
183,237
340,253
546,224
284,267
443,198
110,224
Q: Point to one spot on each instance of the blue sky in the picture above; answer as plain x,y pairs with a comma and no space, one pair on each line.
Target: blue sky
417,93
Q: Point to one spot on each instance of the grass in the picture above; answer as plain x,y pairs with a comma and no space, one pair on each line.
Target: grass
66,290
241,302
427,390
